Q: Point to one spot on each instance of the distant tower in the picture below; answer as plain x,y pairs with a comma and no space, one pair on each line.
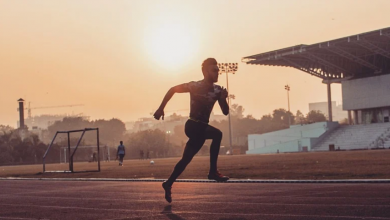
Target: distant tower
21,113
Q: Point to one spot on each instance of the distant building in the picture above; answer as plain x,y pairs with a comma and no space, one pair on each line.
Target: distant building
44,121
167,125
142,124
41,133
214,117
337,110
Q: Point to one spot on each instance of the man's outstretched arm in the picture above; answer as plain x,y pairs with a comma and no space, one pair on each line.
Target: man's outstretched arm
176,89
223,103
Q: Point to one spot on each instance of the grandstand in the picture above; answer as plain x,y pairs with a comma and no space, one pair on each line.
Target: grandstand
361,63
351,137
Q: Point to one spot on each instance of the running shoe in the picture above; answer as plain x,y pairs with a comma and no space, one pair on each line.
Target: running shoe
168,194
217,176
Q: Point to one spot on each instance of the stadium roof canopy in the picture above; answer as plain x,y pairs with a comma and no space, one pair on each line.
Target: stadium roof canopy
356,56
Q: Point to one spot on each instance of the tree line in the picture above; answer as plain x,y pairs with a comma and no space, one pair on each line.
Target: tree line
28,150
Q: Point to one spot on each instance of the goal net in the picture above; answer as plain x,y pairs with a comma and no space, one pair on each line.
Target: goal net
74,151
85,154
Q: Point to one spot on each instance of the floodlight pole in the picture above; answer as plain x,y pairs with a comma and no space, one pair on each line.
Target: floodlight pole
98,148
287,87
70,163
228,68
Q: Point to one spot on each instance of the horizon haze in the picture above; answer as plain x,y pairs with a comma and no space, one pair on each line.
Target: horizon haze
119,58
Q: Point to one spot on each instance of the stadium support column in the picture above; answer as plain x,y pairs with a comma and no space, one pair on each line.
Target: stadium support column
355,117
329,101
349,117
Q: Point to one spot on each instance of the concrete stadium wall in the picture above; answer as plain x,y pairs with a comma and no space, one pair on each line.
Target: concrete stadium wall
289,140
370,92
289,146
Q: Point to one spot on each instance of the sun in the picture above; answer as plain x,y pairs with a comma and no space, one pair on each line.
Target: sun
171,45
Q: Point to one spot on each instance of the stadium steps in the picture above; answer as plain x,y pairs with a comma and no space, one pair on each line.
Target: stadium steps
350,137
380,141
386,141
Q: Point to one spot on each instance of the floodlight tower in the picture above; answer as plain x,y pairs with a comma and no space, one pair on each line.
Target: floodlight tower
228,68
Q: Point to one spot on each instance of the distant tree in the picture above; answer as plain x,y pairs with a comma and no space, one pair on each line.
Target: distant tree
281,116
315,116
300,118
178,137
5,128
30,150
268,124
6,147
250,117
237,111
109,130
68,123
155,141
244,126
175,117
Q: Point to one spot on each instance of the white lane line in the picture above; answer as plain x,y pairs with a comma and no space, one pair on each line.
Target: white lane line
236,215
15,218
192,212
43,193
213,202
205,181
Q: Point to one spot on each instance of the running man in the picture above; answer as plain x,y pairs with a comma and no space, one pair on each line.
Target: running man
121,153
203,94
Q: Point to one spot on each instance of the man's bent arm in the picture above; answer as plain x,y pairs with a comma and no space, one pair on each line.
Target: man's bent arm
224,106
176,89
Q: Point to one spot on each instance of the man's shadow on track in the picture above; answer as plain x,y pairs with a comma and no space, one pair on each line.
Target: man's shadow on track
168,212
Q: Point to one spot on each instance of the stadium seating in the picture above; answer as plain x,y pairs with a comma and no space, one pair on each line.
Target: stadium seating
350,137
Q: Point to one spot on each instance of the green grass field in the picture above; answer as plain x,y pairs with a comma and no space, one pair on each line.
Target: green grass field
368,164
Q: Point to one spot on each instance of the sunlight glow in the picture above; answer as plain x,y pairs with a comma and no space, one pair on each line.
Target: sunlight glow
171,45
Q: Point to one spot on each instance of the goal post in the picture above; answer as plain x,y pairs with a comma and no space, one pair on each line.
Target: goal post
71,151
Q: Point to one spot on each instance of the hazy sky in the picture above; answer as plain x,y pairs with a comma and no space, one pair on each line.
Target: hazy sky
119,58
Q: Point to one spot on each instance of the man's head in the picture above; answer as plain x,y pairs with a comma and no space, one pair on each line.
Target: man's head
121,142
210,70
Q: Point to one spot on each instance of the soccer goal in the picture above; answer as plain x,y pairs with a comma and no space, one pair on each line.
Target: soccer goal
72,154
85,154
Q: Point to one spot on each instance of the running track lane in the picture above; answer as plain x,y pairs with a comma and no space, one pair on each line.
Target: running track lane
29,199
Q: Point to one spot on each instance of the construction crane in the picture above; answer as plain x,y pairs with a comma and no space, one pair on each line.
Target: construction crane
41,107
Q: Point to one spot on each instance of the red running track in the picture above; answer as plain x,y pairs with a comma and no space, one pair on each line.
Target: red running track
33,199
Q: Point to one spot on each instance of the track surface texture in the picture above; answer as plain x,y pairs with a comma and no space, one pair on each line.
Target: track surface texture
33,199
